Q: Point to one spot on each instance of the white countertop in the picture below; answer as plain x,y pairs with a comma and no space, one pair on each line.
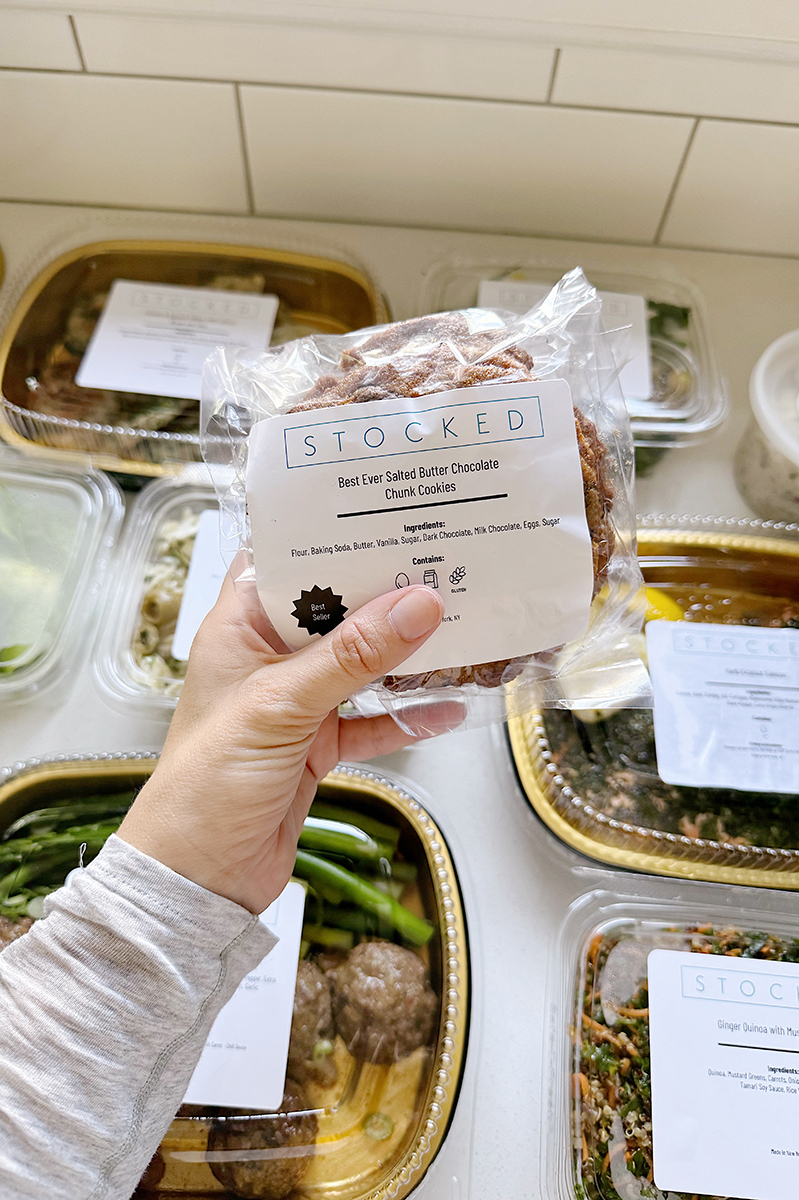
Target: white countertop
517,882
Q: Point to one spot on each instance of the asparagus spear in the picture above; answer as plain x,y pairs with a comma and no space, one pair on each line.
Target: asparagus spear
376,829
45,820
328,876
343,838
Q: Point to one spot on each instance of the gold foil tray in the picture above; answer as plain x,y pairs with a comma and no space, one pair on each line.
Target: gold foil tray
419,1092
747,563
319,295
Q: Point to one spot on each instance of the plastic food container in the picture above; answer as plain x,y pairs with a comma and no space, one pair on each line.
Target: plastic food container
379,1119
592,778
133,661
689,397
56,535
44,411
767,459
606,1094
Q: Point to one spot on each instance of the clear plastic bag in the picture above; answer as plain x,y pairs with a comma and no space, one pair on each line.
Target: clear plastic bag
560,339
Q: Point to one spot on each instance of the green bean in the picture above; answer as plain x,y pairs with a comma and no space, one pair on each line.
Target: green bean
376,829
19,849
342,838
25,872
328,876
334,939
358,921
45,820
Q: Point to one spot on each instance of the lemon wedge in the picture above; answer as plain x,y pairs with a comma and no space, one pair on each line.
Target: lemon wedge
660,607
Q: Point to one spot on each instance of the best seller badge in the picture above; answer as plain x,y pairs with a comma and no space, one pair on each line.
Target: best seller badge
319,610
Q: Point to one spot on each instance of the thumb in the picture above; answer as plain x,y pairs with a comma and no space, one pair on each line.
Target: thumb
368,644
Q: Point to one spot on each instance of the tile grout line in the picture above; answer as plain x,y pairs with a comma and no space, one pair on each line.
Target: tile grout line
245,154
78,46
551,88
311,87
240,215
675,183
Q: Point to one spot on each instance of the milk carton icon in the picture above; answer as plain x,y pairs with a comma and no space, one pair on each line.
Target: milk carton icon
430,579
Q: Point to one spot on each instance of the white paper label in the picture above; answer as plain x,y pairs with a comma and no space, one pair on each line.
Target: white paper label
726,705
724,1035
618,310
203,581
477,492
154,337
243,1064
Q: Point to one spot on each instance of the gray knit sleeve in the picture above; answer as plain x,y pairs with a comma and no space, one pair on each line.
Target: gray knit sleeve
105,1006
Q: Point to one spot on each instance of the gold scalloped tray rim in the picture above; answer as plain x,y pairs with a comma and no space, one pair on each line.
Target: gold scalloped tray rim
538,784
114,462
436,1111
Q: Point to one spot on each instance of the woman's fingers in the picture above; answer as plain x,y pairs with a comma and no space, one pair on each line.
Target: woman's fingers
373,641
367,737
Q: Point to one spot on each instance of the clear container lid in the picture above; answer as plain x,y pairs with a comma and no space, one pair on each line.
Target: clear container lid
54,302
56,534
689,397
774,394
134,663
593,776
602,1072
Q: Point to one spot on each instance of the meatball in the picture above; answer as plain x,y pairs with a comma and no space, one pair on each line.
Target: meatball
311,1024
275,1174
11,930
383,1004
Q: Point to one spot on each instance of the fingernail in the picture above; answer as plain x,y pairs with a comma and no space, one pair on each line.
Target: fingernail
417,611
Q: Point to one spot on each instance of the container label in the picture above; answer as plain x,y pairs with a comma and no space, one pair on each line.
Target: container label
476,492
153,338
726,705
243,1063
203,581
618,311
724,1038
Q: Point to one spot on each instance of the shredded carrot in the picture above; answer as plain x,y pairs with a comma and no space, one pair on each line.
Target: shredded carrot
601,1031
633,1013
585,1149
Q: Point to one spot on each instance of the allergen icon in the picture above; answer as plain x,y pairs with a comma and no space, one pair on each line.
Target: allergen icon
430,578
402,580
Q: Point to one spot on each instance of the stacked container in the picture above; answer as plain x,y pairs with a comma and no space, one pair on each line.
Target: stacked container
688,397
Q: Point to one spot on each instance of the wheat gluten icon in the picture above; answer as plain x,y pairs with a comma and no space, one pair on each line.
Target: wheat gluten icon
457,575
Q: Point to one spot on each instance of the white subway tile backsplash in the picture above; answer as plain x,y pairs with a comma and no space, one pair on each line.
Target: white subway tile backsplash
281,53
38,40
132,142
460,164
739,190
681,83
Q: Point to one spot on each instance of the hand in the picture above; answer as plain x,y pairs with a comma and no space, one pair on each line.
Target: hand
254,732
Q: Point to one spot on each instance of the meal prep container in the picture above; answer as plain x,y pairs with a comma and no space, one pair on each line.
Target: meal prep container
766,463
56,535
132,661
379,1126
734,572
689,397
51,322
596,1116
